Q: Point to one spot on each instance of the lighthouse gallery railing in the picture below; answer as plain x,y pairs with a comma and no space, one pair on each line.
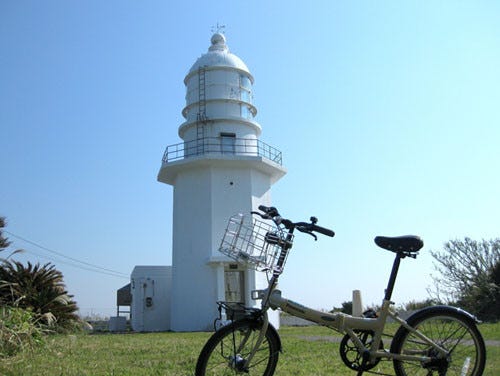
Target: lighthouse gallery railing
221,145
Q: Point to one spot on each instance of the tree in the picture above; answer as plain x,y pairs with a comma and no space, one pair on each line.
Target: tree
4,242
415,305
40,289
469,273
495,276
37,288
346,308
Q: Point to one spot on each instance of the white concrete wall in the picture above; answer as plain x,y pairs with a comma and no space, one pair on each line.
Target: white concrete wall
194,289
242,128
204,199
151,290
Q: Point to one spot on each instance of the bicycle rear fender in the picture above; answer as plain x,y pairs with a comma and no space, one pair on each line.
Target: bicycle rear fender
440,309
443,309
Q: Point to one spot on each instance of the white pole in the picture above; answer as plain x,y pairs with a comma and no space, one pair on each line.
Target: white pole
357,304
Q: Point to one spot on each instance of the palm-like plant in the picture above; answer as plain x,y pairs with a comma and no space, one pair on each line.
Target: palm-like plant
37,288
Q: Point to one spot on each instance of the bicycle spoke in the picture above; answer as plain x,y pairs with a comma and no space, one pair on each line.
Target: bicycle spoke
228,351
464,347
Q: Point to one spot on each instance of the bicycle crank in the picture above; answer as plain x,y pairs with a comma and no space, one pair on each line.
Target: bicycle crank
350,354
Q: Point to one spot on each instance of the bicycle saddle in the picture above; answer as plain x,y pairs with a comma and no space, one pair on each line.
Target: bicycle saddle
405,244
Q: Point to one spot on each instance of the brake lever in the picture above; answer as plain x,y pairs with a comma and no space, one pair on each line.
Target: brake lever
308,232
313,235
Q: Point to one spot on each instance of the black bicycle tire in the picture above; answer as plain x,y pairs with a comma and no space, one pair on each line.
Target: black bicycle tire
444,313
271,338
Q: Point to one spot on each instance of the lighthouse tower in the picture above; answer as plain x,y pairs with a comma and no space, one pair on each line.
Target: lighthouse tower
221,168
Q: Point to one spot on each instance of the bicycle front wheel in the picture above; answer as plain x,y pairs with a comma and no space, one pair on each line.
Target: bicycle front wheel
227,351
449,328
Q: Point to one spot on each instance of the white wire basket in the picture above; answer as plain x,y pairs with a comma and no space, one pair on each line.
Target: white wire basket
254,242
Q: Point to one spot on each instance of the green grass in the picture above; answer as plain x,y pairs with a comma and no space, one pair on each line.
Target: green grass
176,354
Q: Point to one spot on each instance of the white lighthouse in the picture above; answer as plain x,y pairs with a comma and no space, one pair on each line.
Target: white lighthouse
220,168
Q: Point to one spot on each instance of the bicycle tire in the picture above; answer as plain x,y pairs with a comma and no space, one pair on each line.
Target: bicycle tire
451,328
222,356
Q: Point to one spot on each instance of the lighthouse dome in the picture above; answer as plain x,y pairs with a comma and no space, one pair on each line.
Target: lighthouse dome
219,98
218,55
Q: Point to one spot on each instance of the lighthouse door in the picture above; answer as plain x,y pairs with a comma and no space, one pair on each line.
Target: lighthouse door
228,143
234,282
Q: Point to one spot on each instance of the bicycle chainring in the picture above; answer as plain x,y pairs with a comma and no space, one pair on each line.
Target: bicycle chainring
350,354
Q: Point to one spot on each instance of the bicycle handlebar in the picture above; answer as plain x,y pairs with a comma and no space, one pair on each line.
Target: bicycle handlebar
270,212
312,227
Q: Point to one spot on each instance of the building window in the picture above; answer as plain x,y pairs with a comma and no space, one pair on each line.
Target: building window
245,96
234,283
245,83
245,112
245,89
228,143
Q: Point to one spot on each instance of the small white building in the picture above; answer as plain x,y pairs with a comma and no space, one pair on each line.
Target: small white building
220,168
151,288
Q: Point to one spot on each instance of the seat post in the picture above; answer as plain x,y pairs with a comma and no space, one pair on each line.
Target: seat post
394,274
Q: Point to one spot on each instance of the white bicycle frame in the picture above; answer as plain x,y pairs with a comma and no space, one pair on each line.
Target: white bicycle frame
347,324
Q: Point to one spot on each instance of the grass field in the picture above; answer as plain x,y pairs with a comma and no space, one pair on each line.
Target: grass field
176,354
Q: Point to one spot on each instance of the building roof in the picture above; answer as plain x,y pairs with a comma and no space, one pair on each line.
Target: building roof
218,55
124,296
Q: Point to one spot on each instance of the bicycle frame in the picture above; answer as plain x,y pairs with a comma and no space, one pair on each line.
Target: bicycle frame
347,324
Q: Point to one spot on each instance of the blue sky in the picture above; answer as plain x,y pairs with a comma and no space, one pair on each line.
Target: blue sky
386,113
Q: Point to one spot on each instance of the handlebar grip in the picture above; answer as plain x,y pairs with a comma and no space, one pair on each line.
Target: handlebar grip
324,231
269,210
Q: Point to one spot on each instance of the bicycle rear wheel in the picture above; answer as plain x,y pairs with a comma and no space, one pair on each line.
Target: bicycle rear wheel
227,350
451,329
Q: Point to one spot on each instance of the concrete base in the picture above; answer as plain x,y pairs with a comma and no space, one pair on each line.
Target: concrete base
117,324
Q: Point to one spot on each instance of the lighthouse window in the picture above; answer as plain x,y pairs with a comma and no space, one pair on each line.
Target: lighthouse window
245,112
245,89
245,95
228,142
245,83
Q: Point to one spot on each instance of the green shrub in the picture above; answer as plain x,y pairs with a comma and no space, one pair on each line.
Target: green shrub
19,331
39,288
415,305
470,276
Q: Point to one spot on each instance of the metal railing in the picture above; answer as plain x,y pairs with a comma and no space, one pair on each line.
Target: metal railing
222,146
